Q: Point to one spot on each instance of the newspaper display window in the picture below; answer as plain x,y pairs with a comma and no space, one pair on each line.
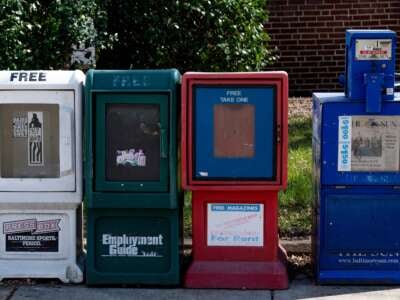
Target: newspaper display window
369,143
133,142
29,141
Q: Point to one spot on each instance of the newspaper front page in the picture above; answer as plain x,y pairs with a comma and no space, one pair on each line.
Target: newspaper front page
369,143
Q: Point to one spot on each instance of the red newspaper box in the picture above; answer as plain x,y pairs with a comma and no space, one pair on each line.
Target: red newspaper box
234,160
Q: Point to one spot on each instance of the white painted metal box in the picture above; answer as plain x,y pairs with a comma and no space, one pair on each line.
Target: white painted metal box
41,174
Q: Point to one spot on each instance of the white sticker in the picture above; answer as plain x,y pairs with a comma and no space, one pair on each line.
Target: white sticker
235,224
203,174
35,139
20,125
373,49
344,149
131,158
32,225
32,235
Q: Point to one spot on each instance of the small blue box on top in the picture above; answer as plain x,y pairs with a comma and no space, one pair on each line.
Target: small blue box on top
370,66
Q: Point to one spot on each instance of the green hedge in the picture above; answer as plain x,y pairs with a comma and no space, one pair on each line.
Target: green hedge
206,35
198,35
41,34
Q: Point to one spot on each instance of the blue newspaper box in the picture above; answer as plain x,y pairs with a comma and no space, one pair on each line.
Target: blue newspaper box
356,157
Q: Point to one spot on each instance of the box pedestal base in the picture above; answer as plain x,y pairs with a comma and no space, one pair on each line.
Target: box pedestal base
238,274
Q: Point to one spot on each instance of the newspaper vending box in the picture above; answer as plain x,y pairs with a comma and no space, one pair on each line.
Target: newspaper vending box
131,177
356,156
40,174
234,148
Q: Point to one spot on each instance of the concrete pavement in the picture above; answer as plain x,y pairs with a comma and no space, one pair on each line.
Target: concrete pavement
306,289
5,292
81,292
299,289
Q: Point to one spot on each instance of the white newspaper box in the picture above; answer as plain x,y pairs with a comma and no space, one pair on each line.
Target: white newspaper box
41,174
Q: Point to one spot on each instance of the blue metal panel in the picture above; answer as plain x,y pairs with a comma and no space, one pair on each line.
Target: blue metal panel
357,233
356,69
334,105
356,214
262,164
358,277
367,222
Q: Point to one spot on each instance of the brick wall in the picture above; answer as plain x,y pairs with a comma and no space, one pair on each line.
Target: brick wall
309,36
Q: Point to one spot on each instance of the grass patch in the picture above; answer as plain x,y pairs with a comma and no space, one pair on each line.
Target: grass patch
295,202
187,214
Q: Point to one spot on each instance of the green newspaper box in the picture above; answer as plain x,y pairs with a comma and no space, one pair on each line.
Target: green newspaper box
132,197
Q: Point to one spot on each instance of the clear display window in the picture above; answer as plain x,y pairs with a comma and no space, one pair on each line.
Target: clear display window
132,142
234,132
29,141
369,144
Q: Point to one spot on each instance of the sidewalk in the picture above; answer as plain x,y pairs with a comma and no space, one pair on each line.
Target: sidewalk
299,289
306,289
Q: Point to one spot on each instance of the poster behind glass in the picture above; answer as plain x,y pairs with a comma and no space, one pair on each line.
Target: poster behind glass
29,141
234,130
133,142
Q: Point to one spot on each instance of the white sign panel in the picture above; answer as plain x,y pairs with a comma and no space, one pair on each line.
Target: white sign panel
235,225
373,49
20,125
32,234
344,149
35,139
369,143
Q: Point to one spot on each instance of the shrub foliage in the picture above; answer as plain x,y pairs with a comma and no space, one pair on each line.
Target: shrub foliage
40,34
206,35
197,35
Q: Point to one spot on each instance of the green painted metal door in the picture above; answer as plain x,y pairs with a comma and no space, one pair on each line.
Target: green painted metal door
131,152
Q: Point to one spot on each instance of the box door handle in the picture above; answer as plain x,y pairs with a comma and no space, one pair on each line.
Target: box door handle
278,134
163,143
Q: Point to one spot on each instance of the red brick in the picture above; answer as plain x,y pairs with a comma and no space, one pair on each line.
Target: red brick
343,6
363,5
310,36
311,12
366,11
342,17
361,17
